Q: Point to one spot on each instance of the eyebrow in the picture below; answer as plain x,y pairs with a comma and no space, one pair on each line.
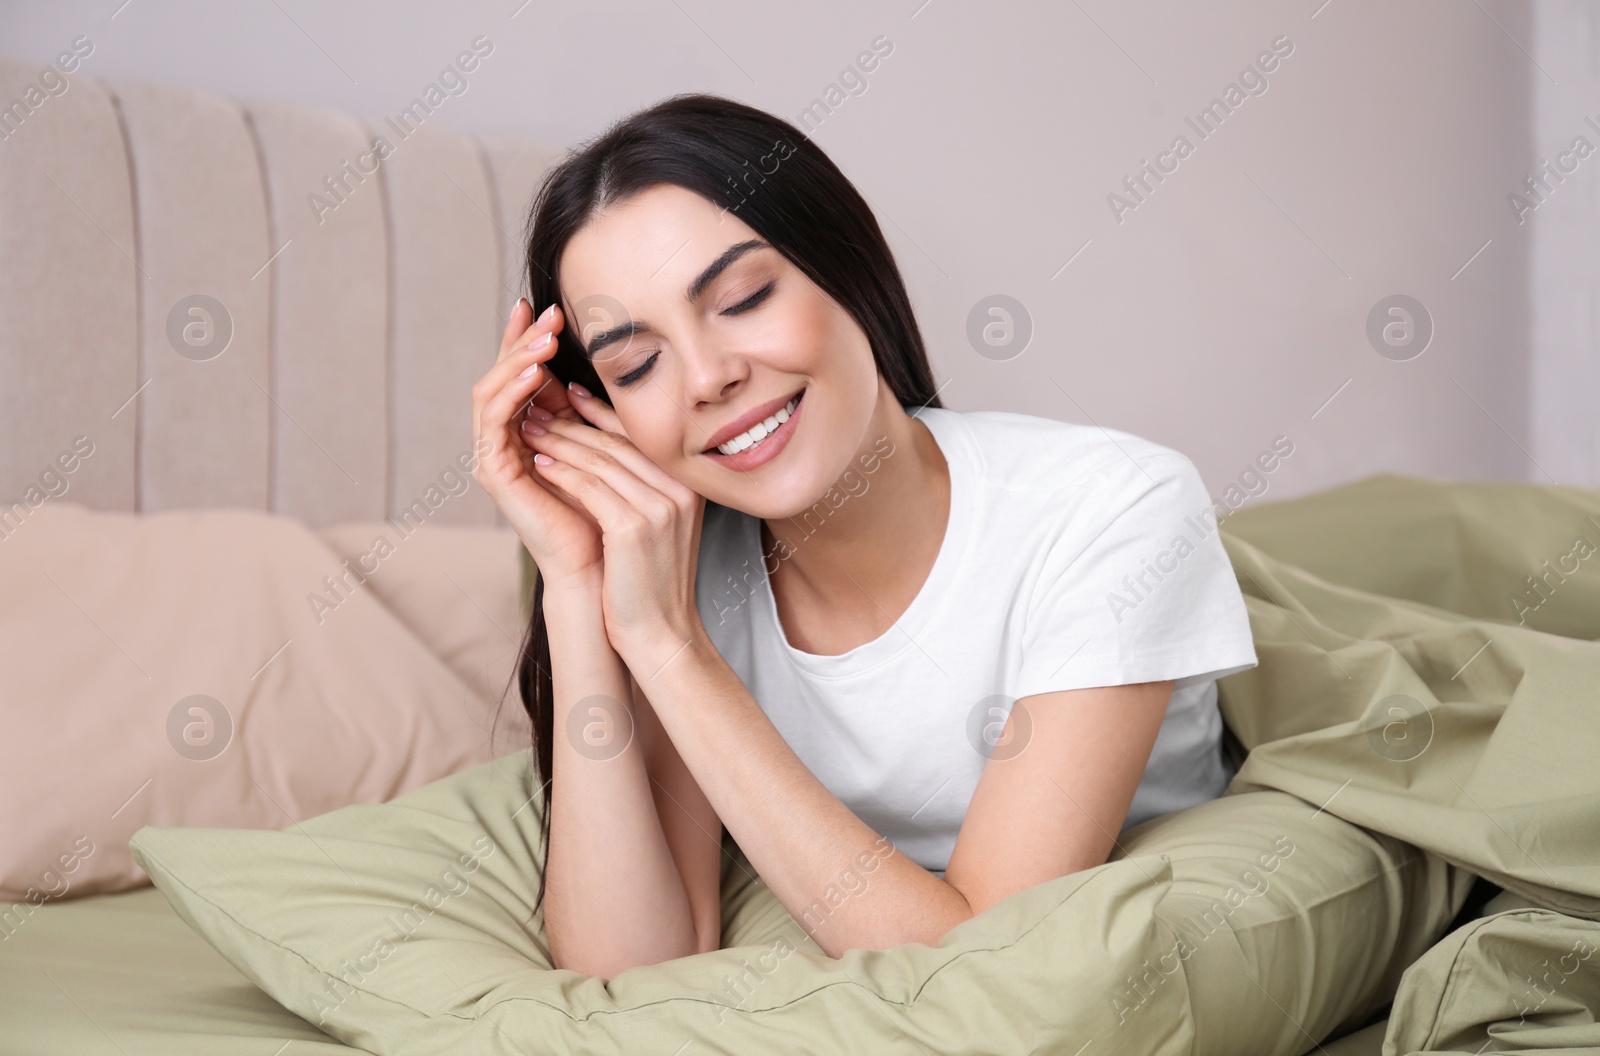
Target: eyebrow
691,294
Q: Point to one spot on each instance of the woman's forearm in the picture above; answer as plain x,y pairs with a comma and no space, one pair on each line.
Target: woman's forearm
614,898
848,887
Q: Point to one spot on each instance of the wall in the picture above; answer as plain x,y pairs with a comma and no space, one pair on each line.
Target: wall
1560,218
1229,306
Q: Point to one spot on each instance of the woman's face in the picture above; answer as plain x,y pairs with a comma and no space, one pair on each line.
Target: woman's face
689,338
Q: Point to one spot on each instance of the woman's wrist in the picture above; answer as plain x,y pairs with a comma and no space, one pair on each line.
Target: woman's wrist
649,652
572,599
581,588
574,611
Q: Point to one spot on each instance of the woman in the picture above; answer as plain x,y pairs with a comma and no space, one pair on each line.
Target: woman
913,660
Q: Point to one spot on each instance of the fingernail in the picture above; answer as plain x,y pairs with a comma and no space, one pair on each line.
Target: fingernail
529,372
544,316
543,459
535,428
579,389
540,413
544,339
514,308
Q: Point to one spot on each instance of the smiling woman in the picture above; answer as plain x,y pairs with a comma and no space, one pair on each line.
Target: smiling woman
922,674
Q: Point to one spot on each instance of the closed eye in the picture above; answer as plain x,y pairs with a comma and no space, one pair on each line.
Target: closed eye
634,375
751,301
743,306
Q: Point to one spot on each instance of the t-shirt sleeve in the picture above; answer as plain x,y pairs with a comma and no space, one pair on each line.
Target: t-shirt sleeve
1135,586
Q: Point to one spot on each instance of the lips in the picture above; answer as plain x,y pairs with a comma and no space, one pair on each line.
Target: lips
771,446
747,420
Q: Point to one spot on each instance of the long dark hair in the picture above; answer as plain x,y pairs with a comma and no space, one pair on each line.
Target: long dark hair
803,206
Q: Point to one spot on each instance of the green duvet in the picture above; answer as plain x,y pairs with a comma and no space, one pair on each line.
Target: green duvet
1426,711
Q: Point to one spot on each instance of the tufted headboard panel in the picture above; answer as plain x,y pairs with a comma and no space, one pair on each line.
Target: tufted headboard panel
247,303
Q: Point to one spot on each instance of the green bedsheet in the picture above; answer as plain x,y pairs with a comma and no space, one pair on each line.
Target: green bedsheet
1431,671
124,973
1398,686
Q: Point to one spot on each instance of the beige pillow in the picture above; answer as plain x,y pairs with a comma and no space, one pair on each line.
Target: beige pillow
455,588
177,669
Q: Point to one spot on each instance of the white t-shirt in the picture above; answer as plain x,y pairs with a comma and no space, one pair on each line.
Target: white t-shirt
1074,556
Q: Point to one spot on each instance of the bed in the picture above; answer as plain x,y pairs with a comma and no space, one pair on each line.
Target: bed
251,402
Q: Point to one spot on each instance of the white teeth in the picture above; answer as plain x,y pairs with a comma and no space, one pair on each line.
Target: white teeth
758,432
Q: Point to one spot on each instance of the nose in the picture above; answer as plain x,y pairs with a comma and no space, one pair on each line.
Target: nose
711,374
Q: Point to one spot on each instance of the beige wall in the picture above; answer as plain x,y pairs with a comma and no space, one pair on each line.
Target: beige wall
1563,233
1228,308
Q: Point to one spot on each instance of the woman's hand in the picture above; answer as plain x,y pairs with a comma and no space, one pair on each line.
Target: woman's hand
649,529
563,539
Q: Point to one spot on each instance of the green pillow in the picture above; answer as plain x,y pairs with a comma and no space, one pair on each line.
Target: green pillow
406,927
1522,979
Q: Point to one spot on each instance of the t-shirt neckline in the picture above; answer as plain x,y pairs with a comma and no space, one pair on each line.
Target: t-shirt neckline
949,434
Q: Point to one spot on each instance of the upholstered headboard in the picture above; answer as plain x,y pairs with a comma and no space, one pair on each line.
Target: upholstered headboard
360,288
